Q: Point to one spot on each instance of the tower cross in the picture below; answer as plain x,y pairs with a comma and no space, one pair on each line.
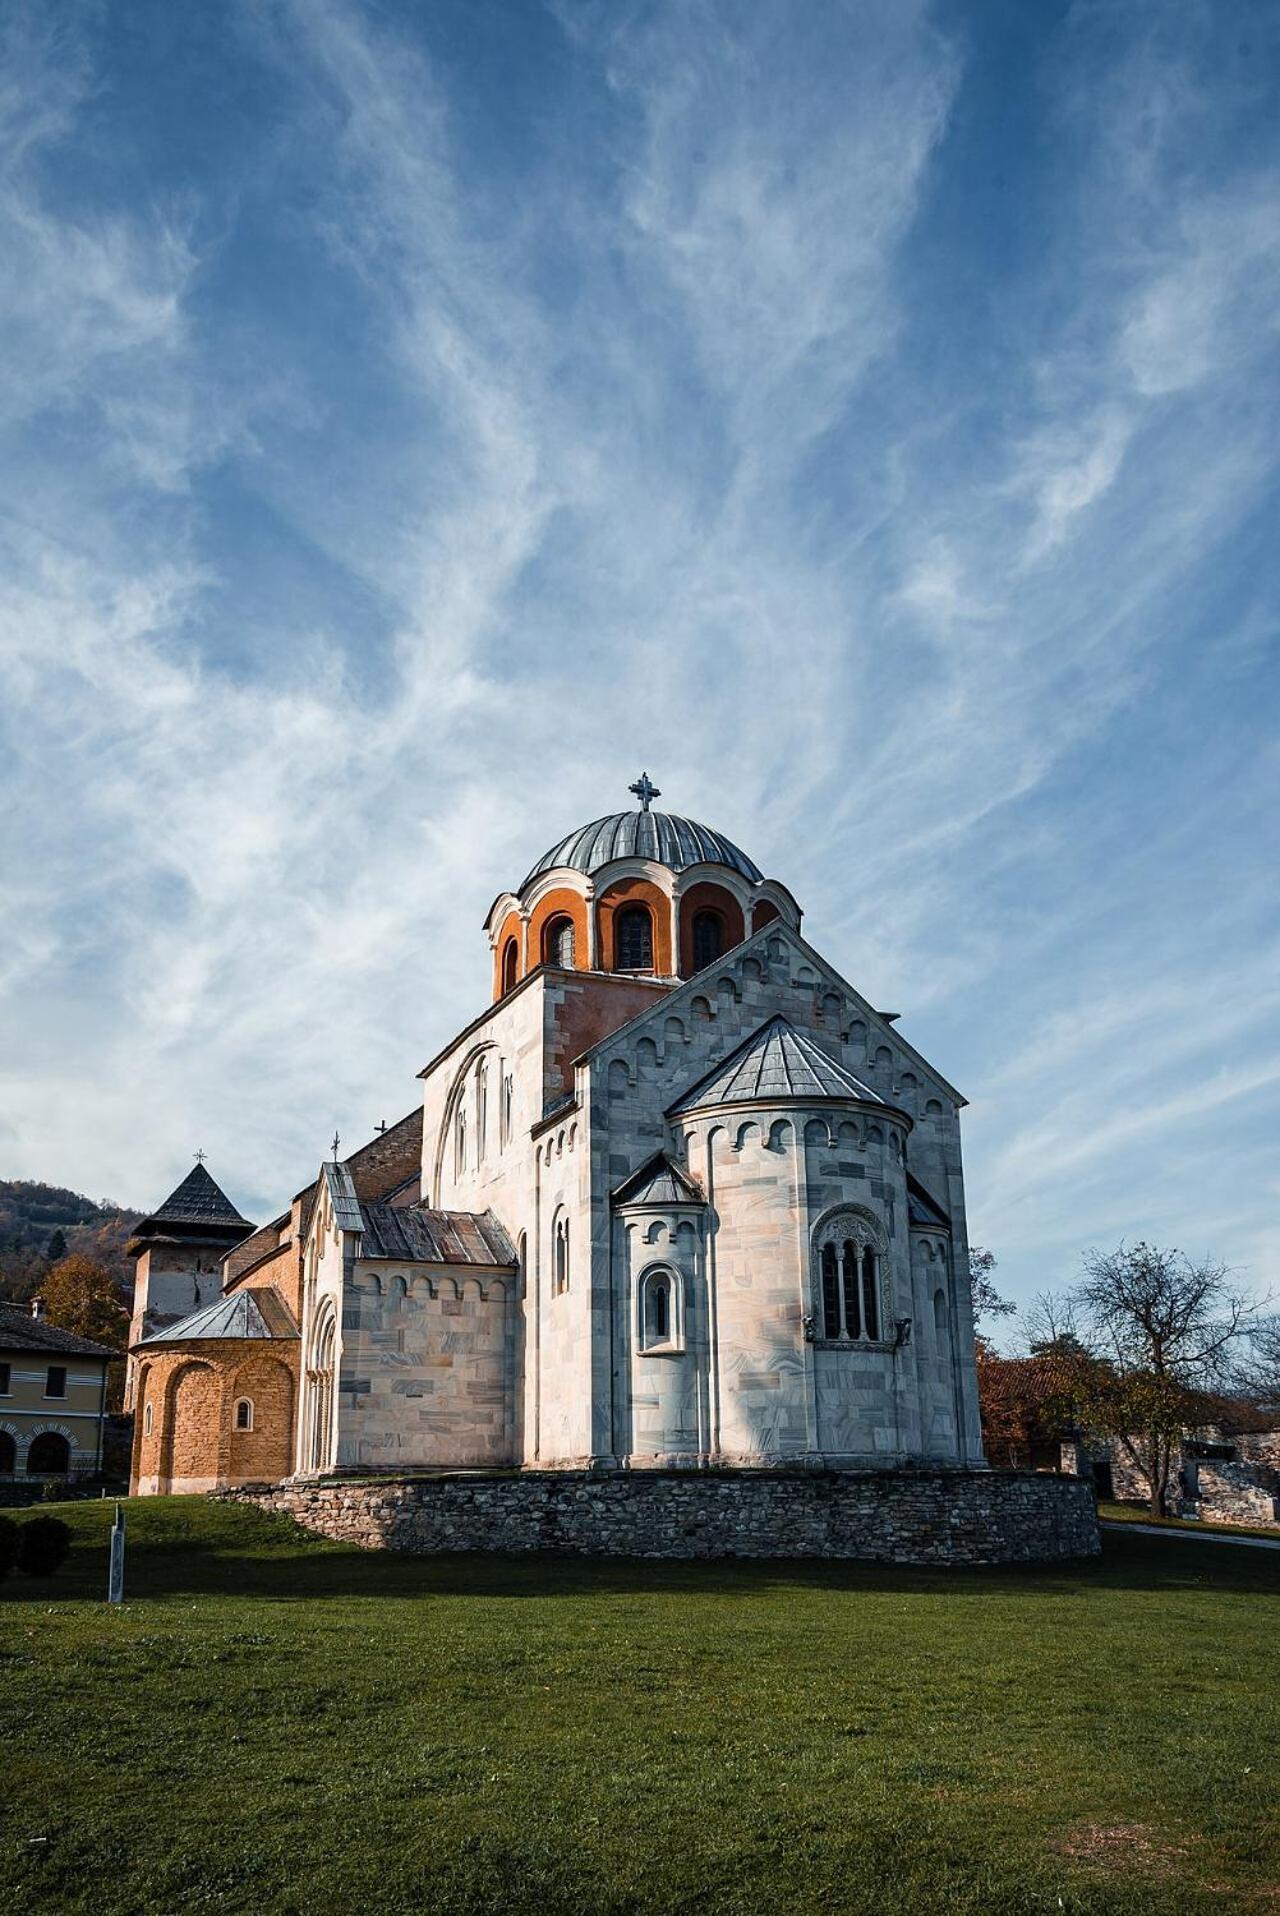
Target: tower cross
336,1142
645,790
200,1156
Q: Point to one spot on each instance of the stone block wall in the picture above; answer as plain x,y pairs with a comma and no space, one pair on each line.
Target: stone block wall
943,1517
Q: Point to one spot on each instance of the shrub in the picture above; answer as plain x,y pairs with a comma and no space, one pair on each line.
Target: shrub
43,1543
8,1545
56,1490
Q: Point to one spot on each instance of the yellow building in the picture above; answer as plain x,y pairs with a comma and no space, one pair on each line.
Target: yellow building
53,1392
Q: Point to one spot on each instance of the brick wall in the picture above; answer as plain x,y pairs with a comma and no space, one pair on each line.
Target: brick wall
192,1444
895,1517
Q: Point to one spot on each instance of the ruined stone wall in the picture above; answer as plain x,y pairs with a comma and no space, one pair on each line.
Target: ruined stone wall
1236,1493
944,1517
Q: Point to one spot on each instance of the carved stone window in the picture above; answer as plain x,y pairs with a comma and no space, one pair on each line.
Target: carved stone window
849,1265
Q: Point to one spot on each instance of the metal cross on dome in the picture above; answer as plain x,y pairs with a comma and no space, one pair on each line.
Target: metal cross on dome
645,790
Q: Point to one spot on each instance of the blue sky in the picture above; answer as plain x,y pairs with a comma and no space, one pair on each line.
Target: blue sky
418,419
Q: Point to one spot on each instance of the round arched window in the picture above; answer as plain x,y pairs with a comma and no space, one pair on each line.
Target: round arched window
633,939
510,959
558,943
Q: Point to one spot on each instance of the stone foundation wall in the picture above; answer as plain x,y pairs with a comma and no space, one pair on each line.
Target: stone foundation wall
889,1517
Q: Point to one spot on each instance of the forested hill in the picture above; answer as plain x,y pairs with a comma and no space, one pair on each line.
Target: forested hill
40,1223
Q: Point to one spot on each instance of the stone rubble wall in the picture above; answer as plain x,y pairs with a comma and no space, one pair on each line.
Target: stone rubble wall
1232,1493
960,1517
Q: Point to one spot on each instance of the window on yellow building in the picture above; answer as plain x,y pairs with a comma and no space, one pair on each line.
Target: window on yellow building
55,1383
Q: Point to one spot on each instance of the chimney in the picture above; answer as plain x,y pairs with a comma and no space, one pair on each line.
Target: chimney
37,1307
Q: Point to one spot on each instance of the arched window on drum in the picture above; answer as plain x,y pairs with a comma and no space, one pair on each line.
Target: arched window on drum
558,943
510,965
633,939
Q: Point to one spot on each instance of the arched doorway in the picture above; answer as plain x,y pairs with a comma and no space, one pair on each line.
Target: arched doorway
49,1455
318,1441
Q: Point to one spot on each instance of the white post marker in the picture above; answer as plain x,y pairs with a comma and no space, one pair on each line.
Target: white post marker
115,1576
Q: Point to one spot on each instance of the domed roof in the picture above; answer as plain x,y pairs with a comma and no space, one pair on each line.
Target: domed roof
661,836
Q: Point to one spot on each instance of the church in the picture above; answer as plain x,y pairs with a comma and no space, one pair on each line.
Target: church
679,1198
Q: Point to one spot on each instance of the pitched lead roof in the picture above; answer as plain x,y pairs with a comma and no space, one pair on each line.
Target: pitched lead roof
414,1235
776,1062
239,1316
659,1182
662,836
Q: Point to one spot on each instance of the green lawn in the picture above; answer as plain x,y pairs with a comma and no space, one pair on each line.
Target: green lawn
1140,1513
272,1723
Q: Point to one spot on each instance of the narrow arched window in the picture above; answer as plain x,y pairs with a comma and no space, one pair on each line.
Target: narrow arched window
940,1316
148,1420
460,1141
506,1108
558,943
870,1304
708,939
560,1255
830,1292
849,1273
482,1109
634,939
244,1413
510,959
658,1302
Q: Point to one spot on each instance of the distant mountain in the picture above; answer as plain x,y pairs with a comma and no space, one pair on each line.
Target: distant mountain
40,1223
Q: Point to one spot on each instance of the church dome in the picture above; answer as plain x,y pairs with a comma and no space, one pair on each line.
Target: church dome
661,836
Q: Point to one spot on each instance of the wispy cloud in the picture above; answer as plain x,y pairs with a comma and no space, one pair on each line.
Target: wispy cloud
455,418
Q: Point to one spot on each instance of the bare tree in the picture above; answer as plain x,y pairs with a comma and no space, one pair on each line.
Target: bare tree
987,1301
1156,1331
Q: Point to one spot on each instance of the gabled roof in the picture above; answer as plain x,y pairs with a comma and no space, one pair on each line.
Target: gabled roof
675,998
20,1331
660,1182
921,1209
342,1195
412,1234
198,1207
775,1062
243,1315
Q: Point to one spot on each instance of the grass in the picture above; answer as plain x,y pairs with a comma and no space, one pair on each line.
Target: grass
1140,1513
275,1723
